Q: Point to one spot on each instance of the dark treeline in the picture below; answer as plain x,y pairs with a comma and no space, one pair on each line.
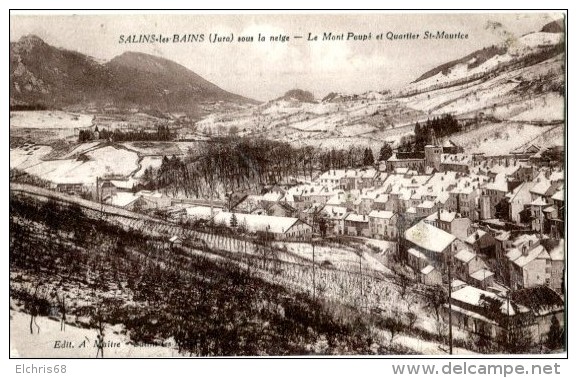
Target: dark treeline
232,163
162,134
437,127
28,107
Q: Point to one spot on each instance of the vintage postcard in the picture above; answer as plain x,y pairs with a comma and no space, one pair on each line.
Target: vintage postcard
287,184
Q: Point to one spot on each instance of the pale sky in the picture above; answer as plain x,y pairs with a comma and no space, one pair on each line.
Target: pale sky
266,70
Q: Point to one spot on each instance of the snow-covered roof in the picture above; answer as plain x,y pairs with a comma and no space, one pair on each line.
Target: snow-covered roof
426,205
457,284
500,183
539,202
537,252
465,255
525,238
471,239
446,216
124,184
472,295
122,199
559,195
541,186
356,218
335,211
418,254
481,274
333,174
505,235
429,237
381,214
513,254
428,269
254,222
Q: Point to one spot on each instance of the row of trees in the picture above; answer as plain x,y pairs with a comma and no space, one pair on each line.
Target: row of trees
227,164
438,127
162,133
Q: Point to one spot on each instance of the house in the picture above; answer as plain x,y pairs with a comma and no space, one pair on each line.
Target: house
462,199
450,222
430,276
483,278
281,209
450,147
410,163
425,209
531,309
495,191
125,200
519,199
357,225
471,315
279,227
175,241
71,188
529,267
431,242
335,217
482,242
544,304
465,263
538,219
456,162
383,225
332,178
557,224
557,255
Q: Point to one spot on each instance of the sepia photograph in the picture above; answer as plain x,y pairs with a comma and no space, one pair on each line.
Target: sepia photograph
327,184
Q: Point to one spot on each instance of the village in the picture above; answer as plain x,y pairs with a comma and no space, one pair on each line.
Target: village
485,226
353,209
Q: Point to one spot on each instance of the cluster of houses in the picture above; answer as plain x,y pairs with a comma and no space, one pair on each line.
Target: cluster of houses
495,225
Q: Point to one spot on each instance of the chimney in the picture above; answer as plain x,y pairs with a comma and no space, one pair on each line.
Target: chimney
525,250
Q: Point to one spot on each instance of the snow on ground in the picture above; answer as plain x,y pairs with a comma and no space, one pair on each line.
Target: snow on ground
49,119
43,344
358,129
27,156
427,347
102,161
80,149
497,139
547,108
339,257
541,39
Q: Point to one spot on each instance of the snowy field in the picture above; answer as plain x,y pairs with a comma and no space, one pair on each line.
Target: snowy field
100,162
498,139
49,119
28,155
